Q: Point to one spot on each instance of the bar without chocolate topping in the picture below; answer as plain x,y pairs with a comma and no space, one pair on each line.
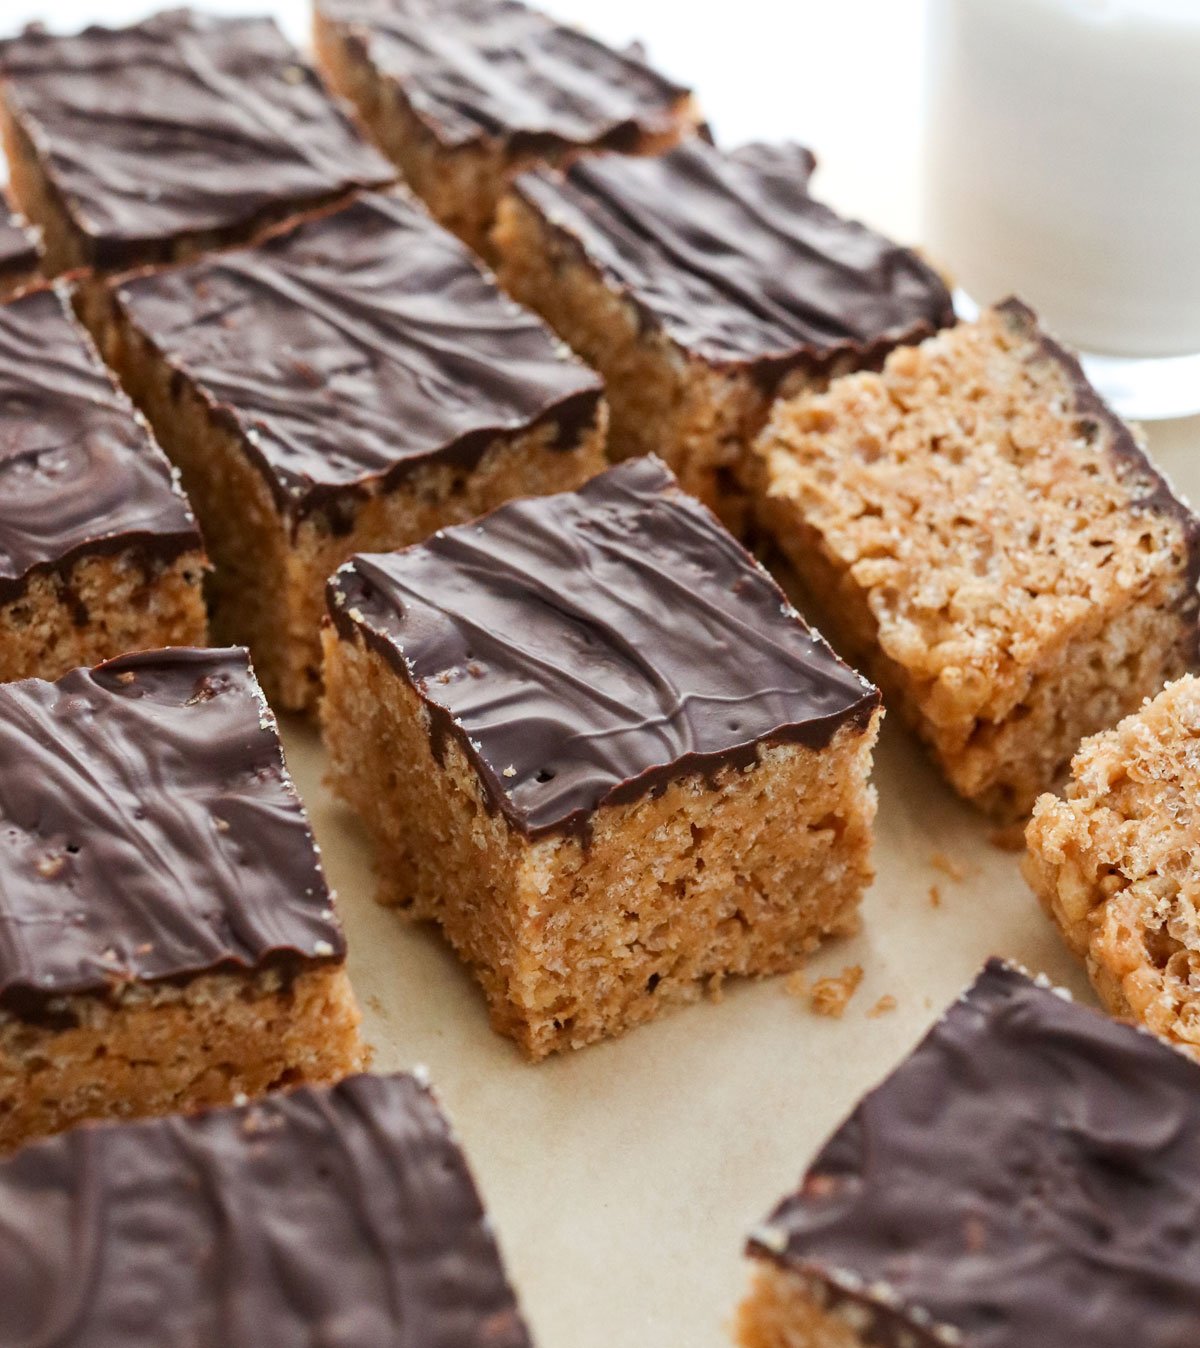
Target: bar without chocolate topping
991,542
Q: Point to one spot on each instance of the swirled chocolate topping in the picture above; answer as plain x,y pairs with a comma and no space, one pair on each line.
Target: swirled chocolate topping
590,647
478,70
342,1217
357,346
181,124
731,257
149,829
1031,1175
79,472
18,253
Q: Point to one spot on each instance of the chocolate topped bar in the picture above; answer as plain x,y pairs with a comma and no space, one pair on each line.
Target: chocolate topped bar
735,261
18,252
79,472
357,346
589,647
1031,1175
182,125
149,829
344,1216
475,70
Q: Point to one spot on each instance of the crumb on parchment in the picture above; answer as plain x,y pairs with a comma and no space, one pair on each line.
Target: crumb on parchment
830,996
950,868
883,1007
935,896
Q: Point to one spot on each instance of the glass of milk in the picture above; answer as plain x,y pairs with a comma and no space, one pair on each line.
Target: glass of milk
1063,165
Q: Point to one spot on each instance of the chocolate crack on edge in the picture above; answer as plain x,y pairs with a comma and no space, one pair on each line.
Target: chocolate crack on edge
590,648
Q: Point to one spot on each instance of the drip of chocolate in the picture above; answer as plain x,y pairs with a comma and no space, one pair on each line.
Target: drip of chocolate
735,261
478,70
149,830
79,472
358,346
1031,1175
184,123
589,648
342,1217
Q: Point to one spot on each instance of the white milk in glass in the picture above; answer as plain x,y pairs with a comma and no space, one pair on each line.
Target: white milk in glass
1063,164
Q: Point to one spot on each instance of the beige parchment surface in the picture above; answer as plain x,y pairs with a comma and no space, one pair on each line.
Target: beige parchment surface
622,1179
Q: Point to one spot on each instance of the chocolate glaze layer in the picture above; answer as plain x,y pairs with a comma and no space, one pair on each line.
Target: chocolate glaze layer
732,259
79,472
149,829
478,70
183,123
591,647
345,1218
18,253
1031,1175
361,344
1148,487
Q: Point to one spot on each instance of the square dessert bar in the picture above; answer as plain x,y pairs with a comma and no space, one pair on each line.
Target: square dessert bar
463,94
596,744
99,553
1115,860
353,383
149,144
703,286
18,253
1029,1176
167,938
991,543
342,1216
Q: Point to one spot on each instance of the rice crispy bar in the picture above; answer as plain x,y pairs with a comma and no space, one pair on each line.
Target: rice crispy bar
185,132
99,553
18,253
703,286
991,543
351,383
343,1216
464,94
167,938
594,742
1029,1176
1115,863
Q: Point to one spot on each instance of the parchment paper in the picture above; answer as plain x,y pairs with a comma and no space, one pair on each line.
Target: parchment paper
622,1179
